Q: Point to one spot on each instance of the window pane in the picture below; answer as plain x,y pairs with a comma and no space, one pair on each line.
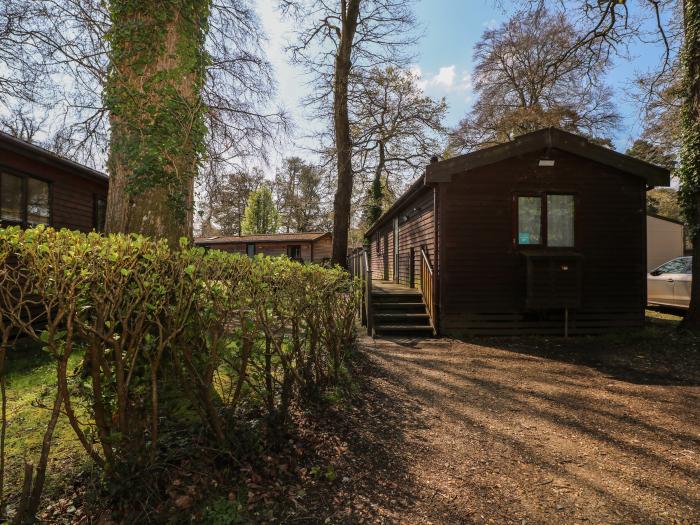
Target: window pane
37,202
11,198
529,220
100,214
560,220
675,266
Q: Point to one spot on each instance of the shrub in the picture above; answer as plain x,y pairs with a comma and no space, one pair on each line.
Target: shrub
170,335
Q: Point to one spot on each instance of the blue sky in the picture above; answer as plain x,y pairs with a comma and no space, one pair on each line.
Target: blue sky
444,59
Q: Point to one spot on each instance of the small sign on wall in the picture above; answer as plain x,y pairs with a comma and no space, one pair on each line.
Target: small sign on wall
524,238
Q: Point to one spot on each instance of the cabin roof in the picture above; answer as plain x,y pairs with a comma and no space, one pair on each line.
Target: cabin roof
542,139
273,237
10,143
554,138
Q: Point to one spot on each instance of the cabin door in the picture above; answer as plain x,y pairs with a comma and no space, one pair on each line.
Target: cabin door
396,249
386,256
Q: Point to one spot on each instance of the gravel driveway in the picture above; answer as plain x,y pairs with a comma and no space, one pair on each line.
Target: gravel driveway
521,432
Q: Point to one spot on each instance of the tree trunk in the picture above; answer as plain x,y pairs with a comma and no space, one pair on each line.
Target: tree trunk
690,149
153,93
343,140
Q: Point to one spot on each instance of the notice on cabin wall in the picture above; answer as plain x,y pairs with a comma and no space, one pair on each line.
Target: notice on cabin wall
524,238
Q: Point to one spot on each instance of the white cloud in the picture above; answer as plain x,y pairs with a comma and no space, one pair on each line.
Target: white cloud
445,77
445,80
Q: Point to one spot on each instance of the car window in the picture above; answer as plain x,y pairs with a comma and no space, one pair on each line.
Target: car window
674,266
688,265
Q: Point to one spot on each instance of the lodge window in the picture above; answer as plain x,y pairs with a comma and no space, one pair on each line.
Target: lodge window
250,249
545,220
24,200
100,213
294,251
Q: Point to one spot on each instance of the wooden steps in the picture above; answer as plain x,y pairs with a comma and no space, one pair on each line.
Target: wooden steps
400,312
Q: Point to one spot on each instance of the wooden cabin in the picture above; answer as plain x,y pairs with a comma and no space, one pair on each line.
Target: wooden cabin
544,234
40,187
304,247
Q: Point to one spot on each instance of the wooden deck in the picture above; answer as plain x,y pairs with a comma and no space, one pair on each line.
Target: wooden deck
381,287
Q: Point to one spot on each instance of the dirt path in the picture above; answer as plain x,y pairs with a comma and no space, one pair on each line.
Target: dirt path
449,432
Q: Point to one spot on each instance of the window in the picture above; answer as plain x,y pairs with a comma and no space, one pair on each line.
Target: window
24,200
11,195
560,220
294,251
37,202
250,249
679,265
529,220
545,220
100,213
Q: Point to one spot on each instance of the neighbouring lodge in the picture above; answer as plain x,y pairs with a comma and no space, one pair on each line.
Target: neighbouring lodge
544,234
40,187
304,247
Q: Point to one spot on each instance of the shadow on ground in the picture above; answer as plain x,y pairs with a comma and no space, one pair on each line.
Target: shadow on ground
601,430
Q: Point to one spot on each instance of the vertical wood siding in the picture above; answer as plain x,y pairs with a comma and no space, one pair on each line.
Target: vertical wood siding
483,273
72,195
416,229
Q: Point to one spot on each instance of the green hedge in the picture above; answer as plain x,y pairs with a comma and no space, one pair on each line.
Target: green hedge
171,334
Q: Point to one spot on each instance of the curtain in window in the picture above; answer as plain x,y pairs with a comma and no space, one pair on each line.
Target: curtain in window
560,220
10,197
529,220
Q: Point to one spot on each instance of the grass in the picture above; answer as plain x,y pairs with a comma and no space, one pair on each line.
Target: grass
31,382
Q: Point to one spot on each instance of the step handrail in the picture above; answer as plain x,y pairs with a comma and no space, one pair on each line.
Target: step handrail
369,315
427,279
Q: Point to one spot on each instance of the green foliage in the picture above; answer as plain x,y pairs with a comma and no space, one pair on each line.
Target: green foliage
689,169
180,338
260,216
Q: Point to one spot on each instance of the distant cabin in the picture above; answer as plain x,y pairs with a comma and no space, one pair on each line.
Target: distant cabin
665,240
40,187
544,234
304,247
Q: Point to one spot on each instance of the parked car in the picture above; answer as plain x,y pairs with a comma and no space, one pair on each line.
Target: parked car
669,284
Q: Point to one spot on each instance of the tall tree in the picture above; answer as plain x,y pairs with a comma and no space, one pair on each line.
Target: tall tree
261,216
299,195
337,39
153,93
525,79
230,201
71,40
396,130
689,169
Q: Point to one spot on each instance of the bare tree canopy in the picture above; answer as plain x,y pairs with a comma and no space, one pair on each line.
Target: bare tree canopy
396,130
62,45
526,78
336,41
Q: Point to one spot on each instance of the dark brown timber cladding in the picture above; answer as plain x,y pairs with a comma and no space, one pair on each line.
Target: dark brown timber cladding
483,278
73,189
416,230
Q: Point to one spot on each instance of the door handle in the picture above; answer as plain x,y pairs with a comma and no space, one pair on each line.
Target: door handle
669,280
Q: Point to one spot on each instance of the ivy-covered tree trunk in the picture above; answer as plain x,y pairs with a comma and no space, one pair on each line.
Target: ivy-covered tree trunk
153,93
689,170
